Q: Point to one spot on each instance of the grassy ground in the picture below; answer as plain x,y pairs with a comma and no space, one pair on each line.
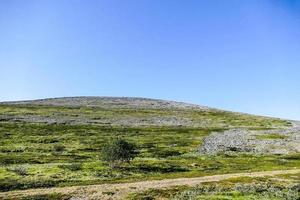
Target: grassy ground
271,136
283,187
34,155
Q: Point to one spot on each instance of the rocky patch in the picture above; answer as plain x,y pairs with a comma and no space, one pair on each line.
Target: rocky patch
277,141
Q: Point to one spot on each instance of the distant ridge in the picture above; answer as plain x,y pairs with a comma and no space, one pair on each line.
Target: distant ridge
110,102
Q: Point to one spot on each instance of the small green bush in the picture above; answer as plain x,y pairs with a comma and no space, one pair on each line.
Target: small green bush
59,148
72,167
163,152
20,170
118,151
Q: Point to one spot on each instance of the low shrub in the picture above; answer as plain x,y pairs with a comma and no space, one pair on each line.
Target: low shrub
59,148
54,196
20,170
161,168
118,151
72,167
13,184
20,158
164,153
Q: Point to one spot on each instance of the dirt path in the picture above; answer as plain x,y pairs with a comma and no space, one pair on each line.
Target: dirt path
104,191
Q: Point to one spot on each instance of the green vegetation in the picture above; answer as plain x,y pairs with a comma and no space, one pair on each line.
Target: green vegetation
273,136
19,170
53,196
109,116
118,151
231,189
34,155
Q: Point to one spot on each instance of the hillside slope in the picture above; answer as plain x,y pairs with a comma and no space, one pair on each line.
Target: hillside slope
110,102
127,111
57,142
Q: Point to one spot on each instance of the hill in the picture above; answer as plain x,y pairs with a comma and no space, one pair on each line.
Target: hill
57,142
126,111
110,102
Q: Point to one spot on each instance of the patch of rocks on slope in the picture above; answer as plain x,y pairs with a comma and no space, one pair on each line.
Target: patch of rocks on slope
110,102
118,121
248,141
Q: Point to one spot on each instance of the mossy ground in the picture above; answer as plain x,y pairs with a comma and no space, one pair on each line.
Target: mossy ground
243,188
271,136
65,154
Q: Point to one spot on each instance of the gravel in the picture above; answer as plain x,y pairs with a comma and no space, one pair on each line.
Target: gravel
248,141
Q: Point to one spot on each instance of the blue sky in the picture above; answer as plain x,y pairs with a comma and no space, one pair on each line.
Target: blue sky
236,55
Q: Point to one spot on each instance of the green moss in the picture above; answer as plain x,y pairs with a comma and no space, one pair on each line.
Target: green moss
53,196
272,136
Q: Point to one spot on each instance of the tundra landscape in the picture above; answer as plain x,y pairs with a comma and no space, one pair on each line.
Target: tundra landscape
149,100
53,149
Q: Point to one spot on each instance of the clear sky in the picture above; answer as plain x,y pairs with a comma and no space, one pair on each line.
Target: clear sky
241,55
